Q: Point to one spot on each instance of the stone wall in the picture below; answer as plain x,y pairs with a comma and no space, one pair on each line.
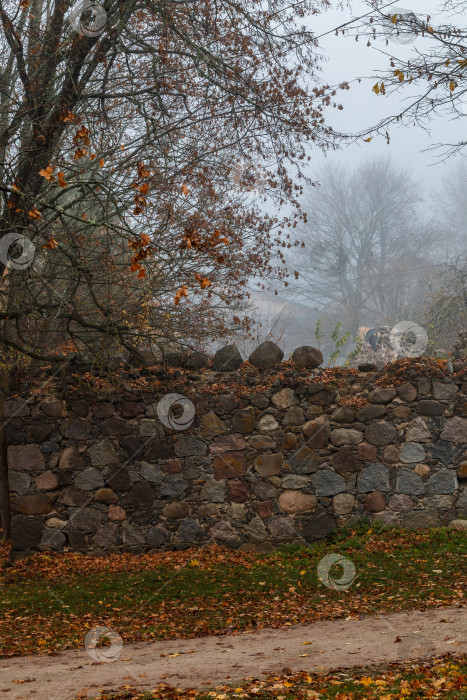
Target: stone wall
273,456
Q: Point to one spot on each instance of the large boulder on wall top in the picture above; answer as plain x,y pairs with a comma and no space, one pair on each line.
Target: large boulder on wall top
227,359
307,357
266,355
187,360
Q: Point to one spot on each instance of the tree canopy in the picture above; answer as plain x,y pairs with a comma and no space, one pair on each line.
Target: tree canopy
130,138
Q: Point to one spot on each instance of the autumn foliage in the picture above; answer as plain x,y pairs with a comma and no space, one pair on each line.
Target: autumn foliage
131,159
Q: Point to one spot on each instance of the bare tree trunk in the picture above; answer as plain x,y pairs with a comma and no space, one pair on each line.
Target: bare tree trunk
4,484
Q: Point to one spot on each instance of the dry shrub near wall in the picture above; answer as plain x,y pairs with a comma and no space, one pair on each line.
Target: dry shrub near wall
272,456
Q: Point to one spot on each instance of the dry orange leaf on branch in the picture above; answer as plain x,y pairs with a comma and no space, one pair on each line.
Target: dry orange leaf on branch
204,282
143,171
183,292
47,173
69,117
51,243
82,134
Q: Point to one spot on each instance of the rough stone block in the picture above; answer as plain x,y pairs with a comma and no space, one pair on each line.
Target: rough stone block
443,481
327,483
268,465
444,392
370,412
382,395
374,478
89,479
421,519
410,483
28,458
455,430
380,434
227,359
303,460
317,528
317,433
297,502
26,533
188,446
223,533
157,536
211,425
343,503
346,436
76,429
244,421
268,423
411,453
229,465
31,505
418,431
176,510
53,408
48,481
429,407
374,502
285,398
70,458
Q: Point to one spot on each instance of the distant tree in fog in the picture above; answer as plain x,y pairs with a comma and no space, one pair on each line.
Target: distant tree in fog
453,209
445,307
366,247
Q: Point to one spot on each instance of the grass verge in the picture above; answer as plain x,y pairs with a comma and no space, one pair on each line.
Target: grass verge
49,602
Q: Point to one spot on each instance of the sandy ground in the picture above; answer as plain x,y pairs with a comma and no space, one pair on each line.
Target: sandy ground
209,661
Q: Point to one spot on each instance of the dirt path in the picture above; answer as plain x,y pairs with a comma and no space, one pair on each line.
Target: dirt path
208,661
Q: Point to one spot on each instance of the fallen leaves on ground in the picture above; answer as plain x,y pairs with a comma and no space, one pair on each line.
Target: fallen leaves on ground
50,601
444,678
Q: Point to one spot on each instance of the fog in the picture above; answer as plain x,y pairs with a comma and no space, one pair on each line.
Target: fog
346,60
289,316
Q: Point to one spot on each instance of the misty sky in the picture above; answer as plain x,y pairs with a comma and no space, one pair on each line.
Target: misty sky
347,59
